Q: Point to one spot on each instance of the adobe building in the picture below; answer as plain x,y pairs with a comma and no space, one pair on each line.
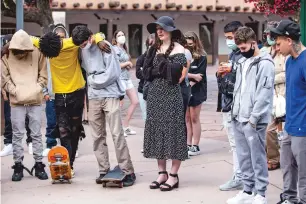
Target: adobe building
205,17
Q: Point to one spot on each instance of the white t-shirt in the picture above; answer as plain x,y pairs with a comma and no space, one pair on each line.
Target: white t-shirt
245,67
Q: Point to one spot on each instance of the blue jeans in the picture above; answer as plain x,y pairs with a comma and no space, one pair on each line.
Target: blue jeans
51,123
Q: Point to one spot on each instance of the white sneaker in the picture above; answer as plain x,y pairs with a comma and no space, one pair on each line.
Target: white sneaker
46,152
241,198
30,148
259,200
129,131
7,150
77,154
232,184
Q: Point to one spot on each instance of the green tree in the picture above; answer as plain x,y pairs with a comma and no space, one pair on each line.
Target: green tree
38,11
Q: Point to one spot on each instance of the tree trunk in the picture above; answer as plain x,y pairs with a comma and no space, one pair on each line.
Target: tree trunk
41,14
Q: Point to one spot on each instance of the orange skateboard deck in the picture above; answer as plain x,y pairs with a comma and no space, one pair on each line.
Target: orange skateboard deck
59,163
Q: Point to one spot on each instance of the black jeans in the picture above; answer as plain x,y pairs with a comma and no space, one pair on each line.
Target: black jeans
8,131
69,110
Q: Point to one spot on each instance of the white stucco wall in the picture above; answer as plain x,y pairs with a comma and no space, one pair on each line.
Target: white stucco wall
187,21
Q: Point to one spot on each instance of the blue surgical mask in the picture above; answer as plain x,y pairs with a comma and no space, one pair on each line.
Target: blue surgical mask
270,42
231,44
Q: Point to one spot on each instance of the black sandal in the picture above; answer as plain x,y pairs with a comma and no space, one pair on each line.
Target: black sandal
170,188
157,185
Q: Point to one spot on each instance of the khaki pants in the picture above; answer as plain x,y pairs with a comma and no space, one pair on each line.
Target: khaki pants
272,147
100,111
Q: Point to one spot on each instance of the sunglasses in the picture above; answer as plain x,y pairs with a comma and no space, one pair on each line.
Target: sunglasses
189,37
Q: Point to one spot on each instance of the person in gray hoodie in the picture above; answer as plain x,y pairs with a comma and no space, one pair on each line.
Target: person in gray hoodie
104,92
251,113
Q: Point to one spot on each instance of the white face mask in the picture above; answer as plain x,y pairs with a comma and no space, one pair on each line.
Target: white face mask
231,44
87,46
121,40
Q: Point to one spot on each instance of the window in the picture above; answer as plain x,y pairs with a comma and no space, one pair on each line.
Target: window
8,28
72,26
135,40
103,29
206,36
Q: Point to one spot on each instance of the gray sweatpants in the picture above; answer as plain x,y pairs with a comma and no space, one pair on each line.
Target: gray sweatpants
293,165
250,145
18,115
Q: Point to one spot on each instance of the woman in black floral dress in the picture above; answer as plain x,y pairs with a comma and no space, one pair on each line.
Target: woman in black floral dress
165,134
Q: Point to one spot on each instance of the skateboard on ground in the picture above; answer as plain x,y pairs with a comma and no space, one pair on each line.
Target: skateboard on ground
114,178
59,163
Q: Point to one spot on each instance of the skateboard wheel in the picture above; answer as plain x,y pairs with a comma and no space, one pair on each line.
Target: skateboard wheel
69,181
104,185
53,182
120,185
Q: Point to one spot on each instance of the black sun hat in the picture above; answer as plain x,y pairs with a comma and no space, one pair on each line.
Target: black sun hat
165,22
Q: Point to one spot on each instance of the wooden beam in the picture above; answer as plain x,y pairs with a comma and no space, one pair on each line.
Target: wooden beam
100,5
158,6
76,5
147,5
124,6
189,6
209,8
114,4
88,5
63,5
170,5
136,6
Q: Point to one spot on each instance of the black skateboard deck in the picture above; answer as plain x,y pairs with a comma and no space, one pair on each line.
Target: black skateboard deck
114,178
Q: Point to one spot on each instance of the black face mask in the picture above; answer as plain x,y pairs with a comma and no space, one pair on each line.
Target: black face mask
249,53
190,48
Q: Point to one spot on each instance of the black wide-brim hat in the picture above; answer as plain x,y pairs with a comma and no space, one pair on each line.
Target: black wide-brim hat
165,22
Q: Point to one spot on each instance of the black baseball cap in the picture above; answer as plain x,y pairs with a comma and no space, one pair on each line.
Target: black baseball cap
286,28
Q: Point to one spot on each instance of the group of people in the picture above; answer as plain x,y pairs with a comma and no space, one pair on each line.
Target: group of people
251,86
172,88
50,67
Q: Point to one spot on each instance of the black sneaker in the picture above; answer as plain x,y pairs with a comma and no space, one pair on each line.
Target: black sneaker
194,150
18,171
99,179
40,173
129,180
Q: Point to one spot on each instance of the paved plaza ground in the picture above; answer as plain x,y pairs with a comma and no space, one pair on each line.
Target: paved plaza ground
200,176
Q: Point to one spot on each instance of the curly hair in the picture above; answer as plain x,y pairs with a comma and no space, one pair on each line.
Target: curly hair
80,34
244,34
50,45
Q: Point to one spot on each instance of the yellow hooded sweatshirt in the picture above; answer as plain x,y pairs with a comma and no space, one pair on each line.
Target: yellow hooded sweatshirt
24,78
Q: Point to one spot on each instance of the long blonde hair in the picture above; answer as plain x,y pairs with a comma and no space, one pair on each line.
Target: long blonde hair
198,50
